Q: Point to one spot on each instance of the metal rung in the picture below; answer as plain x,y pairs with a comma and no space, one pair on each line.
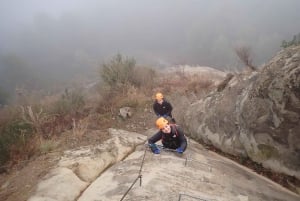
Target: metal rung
194,197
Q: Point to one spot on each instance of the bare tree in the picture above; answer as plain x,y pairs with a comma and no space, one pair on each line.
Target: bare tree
244,54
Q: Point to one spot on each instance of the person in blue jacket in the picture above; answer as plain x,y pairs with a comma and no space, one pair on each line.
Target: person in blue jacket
162,108
171,135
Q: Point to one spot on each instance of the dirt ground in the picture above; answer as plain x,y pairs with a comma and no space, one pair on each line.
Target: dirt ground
20,182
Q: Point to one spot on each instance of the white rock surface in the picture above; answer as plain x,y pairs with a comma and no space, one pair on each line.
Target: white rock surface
197,173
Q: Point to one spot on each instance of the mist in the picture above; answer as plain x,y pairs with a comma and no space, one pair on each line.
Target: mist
62,38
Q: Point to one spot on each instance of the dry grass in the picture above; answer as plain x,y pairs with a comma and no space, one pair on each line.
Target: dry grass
46,146
112,99
187,84
8,114
22,150
199,84
35,118
80,127
24,127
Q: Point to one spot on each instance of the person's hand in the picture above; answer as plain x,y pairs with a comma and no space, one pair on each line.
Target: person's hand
154,148
173,120
179,150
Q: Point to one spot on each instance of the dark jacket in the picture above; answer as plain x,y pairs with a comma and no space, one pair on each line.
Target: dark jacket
163,109
172,140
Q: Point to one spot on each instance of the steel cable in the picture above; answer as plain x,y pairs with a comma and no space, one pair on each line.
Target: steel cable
138,177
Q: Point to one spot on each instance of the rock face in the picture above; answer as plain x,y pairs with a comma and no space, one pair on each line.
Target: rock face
123,167
79,167
256,114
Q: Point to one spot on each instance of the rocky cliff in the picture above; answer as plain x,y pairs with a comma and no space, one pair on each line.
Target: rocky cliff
255,114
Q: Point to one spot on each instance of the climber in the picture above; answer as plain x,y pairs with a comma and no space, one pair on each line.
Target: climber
162,108
171,135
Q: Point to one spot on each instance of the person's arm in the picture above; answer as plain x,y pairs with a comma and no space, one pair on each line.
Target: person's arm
155,109
182,138
156,137
152,141
169,108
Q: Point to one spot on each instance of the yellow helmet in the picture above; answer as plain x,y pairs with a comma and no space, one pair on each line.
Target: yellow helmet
161,122
159,96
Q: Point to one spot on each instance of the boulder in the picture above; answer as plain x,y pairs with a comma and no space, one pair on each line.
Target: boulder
255,114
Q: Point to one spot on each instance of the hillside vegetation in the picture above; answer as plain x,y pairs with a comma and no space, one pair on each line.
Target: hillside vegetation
33,124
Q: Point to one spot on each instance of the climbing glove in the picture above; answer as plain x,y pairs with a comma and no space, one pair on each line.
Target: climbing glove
179,150
154,148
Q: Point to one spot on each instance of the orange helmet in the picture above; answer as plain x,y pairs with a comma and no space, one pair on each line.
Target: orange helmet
159,96
161,122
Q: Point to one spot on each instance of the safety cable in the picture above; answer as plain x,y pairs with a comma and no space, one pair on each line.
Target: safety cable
138,177
167,150
130,188
143,160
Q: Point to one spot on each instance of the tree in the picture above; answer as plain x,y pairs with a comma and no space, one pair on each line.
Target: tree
284,44
244,54
294,41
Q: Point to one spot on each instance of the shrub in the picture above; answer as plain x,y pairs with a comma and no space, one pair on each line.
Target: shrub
68,103
107,100
47,146
80,127
143,77
118,71
36,119
14,133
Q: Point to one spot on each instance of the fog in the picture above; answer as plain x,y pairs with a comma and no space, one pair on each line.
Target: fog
55,36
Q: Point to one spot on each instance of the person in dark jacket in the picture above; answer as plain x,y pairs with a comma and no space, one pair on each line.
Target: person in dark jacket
171,135
162,108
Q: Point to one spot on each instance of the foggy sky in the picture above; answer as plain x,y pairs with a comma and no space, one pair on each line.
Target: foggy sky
80,34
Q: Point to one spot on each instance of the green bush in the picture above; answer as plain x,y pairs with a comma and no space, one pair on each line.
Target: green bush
14,133
47,146
69,102
122,73
118,72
